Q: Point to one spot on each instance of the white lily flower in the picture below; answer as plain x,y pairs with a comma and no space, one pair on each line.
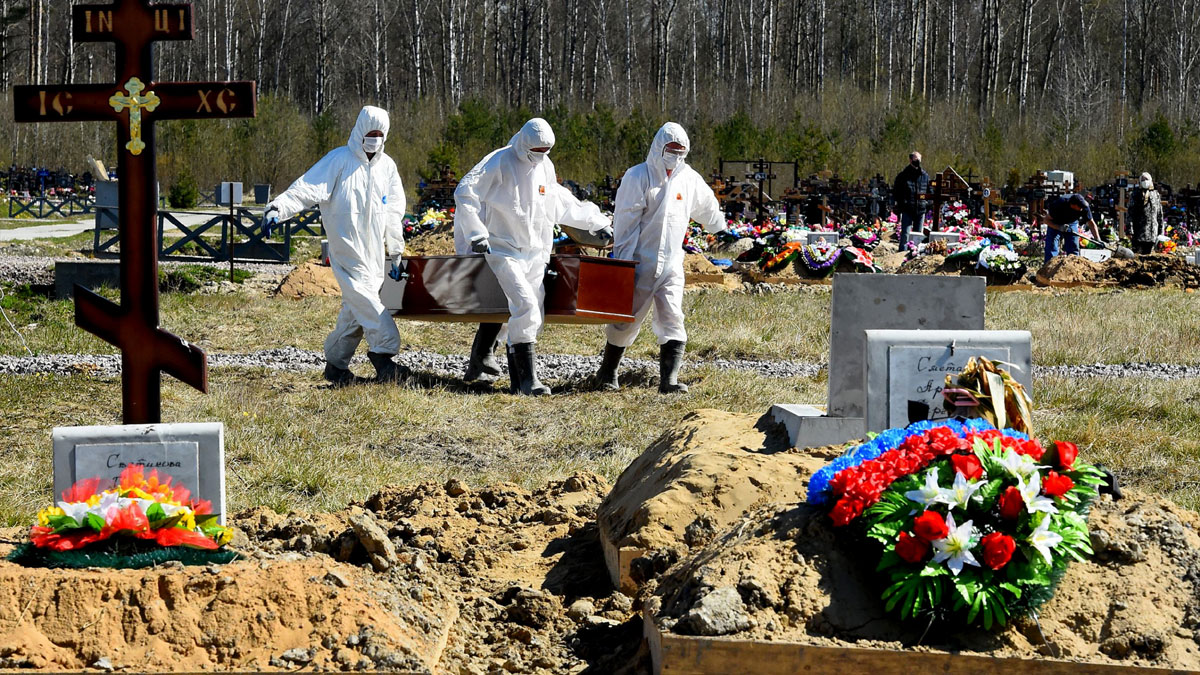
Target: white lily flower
108,506
171,509
929,493
1020,466
960,493
1043,539
955,548
77,510
1031,494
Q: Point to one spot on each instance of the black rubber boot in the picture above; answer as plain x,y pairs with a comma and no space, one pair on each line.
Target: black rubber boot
339,377
526,361
483,366
387,370
670,358
514,371
606,377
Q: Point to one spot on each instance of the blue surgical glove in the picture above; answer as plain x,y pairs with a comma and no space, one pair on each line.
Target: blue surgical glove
395,272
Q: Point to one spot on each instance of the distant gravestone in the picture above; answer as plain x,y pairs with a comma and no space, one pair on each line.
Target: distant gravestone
192,454
947,237
863,302
907,369
827,237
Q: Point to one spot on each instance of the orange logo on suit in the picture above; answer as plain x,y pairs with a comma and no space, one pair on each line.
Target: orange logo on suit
678,196
541,189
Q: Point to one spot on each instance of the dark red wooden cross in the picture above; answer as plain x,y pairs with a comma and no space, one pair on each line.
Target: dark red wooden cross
135,102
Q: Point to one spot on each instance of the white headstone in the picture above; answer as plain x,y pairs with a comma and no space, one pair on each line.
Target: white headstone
1197,259
192,454
1095,254
907,369
947,237
829,237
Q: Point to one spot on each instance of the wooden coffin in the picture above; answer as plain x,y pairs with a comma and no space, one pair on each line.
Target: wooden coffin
580,289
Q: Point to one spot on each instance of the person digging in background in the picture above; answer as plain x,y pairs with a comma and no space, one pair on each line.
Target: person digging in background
506,208
655,203
911,184
362,207
1145,215
1061,217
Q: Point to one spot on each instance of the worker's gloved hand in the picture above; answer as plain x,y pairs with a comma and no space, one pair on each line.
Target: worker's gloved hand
270,220
606,233
396,272
481,245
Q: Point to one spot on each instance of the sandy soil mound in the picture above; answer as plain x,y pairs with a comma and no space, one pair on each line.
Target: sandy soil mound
276,613
436,241
308,280
930,264
1153,270
696,479
781,574
888,257
697,263
526,567
1070,269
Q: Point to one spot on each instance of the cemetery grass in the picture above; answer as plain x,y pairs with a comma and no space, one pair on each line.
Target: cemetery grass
294,443
1069,327
291,442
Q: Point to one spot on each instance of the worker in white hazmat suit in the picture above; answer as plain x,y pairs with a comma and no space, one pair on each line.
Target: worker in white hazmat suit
655,204
506,208
362,208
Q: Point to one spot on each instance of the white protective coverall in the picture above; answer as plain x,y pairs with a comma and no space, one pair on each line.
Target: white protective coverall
362,207
651,217
513,199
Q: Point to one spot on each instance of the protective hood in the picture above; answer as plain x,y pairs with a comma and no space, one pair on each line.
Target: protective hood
370,119
535,134
669,133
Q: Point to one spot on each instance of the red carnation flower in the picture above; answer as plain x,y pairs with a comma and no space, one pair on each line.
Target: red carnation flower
998,549
1011,503
845,511
911,549
968,465
944,441
1030,447
1056,485
930,526
1067,452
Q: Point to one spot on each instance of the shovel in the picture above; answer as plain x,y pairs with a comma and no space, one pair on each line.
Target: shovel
1117,251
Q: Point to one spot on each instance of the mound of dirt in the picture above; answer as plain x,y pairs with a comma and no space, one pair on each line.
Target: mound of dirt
694,480
781,573
264,613
697,263
930,264
308,280
436,241
1153,270
888,257
1070,269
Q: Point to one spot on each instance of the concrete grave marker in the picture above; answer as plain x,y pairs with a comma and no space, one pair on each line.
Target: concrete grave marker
193,454
948,237
828,237
907,369
864,302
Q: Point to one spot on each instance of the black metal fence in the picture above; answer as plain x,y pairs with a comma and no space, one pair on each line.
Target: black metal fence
239,234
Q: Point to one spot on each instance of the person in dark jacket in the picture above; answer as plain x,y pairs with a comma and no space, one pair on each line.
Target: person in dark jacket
1062,216
1146,215
909,191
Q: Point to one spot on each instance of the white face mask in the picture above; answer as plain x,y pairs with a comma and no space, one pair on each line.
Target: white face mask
1146,185
535,157
672,161
372,144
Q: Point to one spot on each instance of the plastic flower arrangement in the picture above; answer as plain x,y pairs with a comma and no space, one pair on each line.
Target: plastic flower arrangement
820,257
864,235
859,259
785,255
139,507
1165,245
971,524
999,258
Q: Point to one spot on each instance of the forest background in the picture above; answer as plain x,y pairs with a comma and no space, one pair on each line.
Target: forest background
995,87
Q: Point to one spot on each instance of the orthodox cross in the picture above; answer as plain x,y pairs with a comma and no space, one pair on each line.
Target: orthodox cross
762,173
135,102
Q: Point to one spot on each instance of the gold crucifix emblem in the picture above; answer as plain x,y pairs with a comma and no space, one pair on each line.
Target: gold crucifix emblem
135,102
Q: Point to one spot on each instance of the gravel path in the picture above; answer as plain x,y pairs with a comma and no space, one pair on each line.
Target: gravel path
550,366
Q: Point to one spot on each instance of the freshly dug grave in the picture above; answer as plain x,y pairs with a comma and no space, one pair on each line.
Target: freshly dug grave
308,280
782,574
421,578
888,257
930,264
695,480
1153,270
265,612
1070,269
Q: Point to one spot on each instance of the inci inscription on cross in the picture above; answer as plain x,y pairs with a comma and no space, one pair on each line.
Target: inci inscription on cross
135,102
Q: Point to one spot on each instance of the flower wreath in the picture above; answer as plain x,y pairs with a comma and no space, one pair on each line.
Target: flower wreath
819,257
972,524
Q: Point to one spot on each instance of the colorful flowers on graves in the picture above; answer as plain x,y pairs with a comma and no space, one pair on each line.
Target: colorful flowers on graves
1165,245
859,259
971,523
785,255
819,257
999,258
141,506
864,235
